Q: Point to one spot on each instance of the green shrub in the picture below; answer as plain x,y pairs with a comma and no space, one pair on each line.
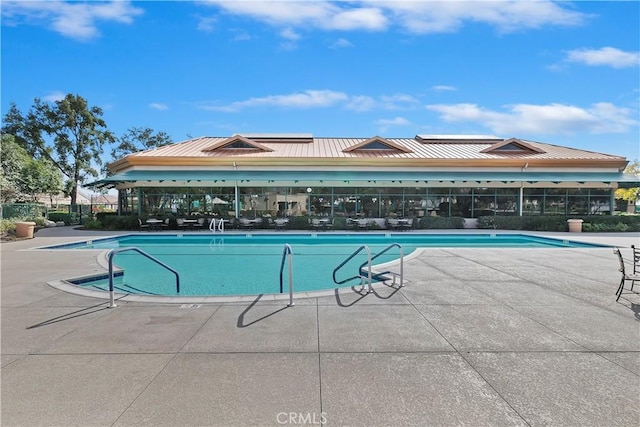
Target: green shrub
299,223
124,222
92,224
60,216
340,223
592,223
7,226
441,222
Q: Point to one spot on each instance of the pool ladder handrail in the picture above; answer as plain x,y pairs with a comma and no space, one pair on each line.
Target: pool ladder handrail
287,252
213,226
359,275
113,252
393,273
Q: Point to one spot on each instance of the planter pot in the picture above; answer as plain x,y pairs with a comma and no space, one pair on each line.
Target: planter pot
575,225
25,229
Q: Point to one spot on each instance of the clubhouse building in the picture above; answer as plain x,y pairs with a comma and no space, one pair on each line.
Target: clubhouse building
276,175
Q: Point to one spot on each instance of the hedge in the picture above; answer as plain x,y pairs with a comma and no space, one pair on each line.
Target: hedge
592,223
438,222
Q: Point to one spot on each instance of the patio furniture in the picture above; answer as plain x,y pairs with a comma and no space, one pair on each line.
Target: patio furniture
392,223
405,223
625,277
199,224
154,223
144,226
328,223
316,224
281,223
246,223
363,224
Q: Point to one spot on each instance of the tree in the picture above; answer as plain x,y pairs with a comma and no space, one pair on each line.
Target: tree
77,135
24,178
631,195
12,158
39,176
139,139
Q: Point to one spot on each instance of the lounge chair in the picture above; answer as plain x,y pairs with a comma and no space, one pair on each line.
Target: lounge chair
281,223
392,223
363,224
328,224
625,277
246,223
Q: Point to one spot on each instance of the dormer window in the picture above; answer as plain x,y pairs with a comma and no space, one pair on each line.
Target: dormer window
513,146
377,144
237,142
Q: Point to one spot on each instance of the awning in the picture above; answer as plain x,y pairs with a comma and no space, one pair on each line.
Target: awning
328,177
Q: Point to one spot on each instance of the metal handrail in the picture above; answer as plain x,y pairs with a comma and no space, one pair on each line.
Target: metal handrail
399,246
213,226
358,276
115,251
287,251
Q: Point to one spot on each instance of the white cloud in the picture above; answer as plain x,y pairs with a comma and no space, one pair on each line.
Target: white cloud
385,124
361,103
606,56
443,88
322,99
341,43
318,14
425,16
158,106
550,119
54,96
418,16
73,20
398,101
289,34
306,99
206,23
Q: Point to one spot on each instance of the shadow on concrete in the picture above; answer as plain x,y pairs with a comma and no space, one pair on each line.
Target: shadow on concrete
241,322
72,315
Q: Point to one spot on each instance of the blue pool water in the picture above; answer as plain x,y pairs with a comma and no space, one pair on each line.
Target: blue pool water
250,264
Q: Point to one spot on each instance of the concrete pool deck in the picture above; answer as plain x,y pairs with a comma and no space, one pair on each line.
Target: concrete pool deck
477,337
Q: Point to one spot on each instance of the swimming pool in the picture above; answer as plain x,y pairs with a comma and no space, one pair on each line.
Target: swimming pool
250,264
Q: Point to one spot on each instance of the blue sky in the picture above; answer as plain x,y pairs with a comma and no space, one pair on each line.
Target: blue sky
565,73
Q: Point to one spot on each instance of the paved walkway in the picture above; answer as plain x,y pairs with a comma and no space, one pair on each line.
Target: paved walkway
477,337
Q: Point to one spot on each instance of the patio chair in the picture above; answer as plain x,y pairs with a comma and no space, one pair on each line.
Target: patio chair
246,223
143,226
329,223
363,224
316,224
199,224
625,277
392,223
281,223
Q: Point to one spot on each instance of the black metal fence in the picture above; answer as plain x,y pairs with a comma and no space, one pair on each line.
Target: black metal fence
69,214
